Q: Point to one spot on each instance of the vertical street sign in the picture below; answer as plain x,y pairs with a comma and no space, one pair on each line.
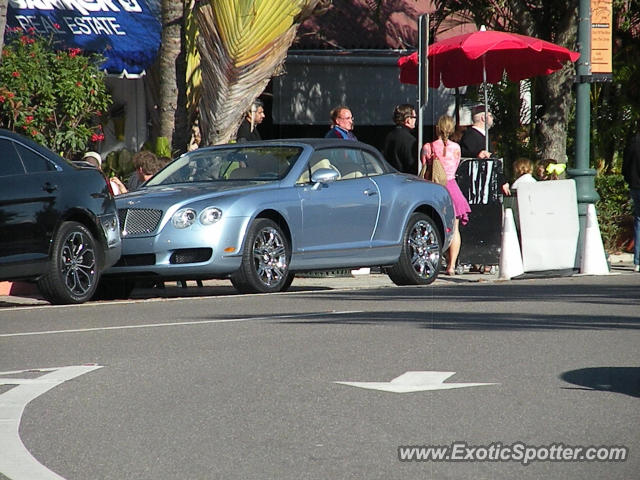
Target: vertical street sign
601,40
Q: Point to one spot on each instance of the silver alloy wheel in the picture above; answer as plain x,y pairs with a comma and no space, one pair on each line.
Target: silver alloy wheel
270,256
78,263
424,248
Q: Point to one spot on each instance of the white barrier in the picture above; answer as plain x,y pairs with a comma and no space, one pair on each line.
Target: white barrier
510,255
549,225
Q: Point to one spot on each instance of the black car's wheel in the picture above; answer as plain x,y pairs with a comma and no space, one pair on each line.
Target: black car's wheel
265,260
419,260
73,272
114,289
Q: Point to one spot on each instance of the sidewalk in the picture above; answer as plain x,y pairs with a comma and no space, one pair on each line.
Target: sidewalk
26,294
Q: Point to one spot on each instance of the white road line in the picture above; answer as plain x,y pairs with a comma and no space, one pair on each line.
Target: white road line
225,296
175,324
16,462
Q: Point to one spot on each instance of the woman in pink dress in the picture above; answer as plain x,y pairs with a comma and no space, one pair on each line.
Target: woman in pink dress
448,152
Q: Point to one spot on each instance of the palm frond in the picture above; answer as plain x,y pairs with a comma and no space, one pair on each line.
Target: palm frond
194,79
241,44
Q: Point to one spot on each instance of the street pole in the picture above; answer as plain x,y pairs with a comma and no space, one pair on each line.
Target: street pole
582,174
423,70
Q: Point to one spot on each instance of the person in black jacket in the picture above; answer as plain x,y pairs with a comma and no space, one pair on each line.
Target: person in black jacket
400,145
631,173
248,130
473,143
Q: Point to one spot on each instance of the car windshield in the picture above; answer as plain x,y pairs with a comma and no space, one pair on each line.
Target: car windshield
238,163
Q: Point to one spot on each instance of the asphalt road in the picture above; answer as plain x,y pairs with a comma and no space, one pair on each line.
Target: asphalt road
244,387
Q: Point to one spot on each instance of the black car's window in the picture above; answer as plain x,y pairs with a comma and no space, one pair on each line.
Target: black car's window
373,165
10,163
259,163
34,162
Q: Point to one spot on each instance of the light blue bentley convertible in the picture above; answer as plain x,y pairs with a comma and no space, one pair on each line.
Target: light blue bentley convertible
259,212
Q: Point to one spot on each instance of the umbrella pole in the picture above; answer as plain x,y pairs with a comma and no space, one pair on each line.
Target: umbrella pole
486,103
458,102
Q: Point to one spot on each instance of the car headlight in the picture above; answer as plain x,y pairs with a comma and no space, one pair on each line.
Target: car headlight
210,215
183,218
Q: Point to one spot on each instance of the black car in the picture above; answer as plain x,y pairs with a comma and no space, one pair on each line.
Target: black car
58,221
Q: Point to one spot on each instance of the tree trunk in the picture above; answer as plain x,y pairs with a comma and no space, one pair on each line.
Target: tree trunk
3,22
556,90
172,113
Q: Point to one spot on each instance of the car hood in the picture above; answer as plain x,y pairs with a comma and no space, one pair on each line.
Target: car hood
163,196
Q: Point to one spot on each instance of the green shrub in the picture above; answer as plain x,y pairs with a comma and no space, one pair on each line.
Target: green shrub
614,212
55,97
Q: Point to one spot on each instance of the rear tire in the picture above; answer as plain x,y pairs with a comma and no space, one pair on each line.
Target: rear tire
73,272
419,262
265,260
288,282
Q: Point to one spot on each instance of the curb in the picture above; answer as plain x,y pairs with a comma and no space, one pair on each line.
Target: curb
18,288
621,258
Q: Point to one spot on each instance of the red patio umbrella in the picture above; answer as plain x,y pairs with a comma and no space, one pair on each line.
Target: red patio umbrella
484,56
461,60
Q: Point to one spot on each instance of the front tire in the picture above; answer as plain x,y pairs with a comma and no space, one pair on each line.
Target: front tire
73,272
419,261
265,260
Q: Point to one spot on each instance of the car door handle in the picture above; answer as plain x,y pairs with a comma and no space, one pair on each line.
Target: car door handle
49,187
370,192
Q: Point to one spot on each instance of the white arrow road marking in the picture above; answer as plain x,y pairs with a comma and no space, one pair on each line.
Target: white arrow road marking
415,382
15,460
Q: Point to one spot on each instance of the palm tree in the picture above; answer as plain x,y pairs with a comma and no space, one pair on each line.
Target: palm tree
242,44
170,120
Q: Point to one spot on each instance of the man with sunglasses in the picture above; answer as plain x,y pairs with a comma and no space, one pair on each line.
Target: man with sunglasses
341,124
401,145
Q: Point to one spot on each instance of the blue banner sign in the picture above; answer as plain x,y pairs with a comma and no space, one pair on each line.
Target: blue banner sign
125,32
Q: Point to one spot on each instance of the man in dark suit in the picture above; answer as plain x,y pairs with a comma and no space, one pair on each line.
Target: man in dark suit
248,130
401,145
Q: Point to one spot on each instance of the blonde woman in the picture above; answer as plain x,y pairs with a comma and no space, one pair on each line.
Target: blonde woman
522,172
448,152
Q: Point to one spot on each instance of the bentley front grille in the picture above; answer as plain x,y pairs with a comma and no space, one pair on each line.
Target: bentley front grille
139,221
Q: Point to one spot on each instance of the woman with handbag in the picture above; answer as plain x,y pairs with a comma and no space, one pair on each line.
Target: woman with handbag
446,153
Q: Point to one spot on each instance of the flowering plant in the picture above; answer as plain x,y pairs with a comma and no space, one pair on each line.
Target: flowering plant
56,97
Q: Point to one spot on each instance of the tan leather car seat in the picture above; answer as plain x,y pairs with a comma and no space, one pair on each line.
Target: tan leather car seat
322,163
